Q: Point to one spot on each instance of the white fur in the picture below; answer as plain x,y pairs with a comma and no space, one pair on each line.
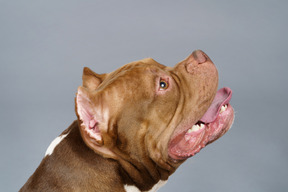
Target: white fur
132,188
54,143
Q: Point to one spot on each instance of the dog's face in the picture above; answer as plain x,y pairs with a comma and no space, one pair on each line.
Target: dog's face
147,113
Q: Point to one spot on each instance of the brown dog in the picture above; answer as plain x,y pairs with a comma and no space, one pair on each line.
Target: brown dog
135,126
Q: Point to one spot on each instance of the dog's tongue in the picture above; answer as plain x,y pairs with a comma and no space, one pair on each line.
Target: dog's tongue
223,96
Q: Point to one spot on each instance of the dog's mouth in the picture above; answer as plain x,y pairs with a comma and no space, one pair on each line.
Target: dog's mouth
216,122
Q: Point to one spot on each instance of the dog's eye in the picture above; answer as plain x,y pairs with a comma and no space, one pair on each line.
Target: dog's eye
163,84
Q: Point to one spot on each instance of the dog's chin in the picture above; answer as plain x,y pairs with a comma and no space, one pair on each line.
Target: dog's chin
216,122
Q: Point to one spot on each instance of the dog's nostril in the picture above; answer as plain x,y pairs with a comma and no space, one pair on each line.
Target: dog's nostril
199,56
195,59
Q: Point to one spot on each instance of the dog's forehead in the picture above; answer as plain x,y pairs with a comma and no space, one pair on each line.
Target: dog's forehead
135,73
147,64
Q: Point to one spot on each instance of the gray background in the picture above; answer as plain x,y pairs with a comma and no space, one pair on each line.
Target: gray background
45,45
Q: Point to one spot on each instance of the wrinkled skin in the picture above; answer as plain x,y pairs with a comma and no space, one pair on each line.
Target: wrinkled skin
133,120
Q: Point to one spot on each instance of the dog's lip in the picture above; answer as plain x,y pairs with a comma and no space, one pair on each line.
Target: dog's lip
211,131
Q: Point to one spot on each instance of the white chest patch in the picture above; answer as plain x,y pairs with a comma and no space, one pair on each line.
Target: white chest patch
132,188
54,143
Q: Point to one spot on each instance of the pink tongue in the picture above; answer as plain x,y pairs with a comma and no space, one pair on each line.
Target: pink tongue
223,96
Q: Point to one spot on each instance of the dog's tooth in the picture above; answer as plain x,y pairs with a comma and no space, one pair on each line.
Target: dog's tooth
201,126
195,128
190,130
223,108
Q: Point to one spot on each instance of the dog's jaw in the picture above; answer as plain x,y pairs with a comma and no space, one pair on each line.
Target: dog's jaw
215,122
192,141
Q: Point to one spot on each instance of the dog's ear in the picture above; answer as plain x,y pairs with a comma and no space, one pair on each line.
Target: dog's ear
91,80
92,121
87,115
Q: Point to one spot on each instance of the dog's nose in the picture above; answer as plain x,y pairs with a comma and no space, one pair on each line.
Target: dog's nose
195,59
199,56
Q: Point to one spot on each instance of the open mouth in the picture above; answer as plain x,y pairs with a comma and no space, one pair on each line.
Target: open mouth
216,122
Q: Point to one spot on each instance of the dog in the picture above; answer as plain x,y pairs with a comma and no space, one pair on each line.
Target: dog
135,126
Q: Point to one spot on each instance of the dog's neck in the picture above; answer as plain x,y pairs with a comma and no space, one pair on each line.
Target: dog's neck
130,172
144,176
72,165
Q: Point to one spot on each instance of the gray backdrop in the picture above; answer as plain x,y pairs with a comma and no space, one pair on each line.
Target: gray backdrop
45,45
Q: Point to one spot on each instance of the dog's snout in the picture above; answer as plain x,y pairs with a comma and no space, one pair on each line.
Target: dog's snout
199,56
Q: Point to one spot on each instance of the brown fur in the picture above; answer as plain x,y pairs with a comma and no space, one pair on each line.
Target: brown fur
133,148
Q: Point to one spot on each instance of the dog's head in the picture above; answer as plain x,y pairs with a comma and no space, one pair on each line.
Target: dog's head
150,114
